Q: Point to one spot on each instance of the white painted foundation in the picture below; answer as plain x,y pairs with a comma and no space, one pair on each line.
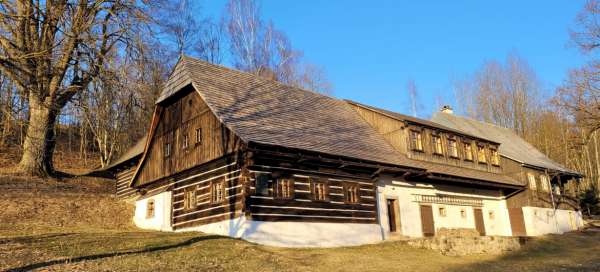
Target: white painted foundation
294,234
540,221
162,213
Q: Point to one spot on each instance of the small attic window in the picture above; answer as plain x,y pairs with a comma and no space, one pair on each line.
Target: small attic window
190,102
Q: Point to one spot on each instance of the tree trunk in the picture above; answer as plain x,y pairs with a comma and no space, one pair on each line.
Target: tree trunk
39,140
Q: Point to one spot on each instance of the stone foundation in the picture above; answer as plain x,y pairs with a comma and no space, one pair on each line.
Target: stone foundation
460,242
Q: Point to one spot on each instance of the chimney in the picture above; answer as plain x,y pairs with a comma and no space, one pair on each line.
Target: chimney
447,109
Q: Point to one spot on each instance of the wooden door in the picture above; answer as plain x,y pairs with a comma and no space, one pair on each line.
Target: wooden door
517,221
479,222
427,224
393,215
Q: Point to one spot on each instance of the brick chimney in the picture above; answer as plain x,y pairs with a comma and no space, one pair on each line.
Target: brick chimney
447,109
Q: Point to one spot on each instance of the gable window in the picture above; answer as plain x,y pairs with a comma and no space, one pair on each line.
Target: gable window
198,136
319,191
544,182
481,154
531,181
218,191
189,198
150,208
495,157
262,184
452,148
185,141
285,188
437,144
416,140
167,150
351,193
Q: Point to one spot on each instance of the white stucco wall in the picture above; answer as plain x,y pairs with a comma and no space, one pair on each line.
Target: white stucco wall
294,234
540,221
410,214
162,213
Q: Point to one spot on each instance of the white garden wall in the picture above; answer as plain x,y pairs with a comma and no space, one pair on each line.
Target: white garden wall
540,221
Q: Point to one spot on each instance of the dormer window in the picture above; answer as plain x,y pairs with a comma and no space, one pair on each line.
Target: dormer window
495,157
416,140
468,151
437,144
481,158
452,148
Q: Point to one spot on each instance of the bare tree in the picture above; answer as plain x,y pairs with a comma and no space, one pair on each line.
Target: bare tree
413,96
52,50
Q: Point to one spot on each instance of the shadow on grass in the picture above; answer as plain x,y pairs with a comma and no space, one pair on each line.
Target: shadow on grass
32,238
568,252
114,254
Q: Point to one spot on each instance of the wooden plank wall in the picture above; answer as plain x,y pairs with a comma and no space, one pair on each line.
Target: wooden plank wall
200,180
182,117
397,134
538,197
123,177
302,208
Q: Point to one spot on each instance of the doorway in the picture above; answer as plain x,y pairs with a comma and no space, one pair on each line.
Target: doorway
479,221
393,215
427,224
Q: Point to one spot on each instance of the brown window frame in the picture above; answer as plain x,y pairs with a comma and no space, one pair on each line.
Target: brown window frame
436,144
485,159
416,140
150,208
284,188
190,200
198,136
215,197
450,141
468,151
185,141
494,157
266,187
351,193
168,149
314,184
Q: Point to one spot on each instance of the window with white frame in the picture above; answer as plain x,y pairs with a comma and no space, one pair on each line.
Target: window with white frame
545,183
531,181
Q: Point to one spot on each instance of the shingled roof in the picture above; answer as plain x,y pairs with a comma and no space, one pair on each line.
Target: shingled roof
268,112
511,145
132,153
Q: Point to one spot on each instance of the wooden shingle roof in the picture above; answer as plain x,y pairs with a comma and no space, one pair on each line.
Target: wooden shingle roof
268,112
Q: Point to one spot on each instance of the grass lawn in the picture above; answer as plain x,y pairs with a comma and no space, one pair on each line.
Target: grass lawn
110,250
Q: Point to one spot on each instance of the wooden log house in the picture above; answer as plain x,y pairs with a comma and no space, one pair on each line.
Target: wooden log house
234,154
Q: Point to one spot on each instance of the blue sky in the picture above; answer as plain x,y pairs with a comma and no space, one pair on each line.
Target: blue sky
370,49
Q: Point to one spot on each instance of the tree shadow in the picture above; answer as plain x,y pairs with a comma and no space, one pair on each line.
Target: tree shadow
114,254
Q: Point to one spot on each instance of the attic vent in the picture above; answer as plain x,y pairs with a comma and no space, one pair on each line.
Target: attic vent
447,109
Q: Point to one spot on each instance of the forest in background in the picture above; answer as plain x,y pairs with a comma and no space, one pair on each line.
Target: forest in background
82,77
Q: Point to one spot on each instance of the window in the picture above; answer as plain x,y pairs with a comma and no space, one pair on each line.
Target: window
262,184
452,148
319,190
442,211
198,136
416,140
468,151
167,150
495,157
491,215
463,213
284,188
218,191
531,180
185,142
351,193
437,144
150,208
481,154
189,198
544,182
